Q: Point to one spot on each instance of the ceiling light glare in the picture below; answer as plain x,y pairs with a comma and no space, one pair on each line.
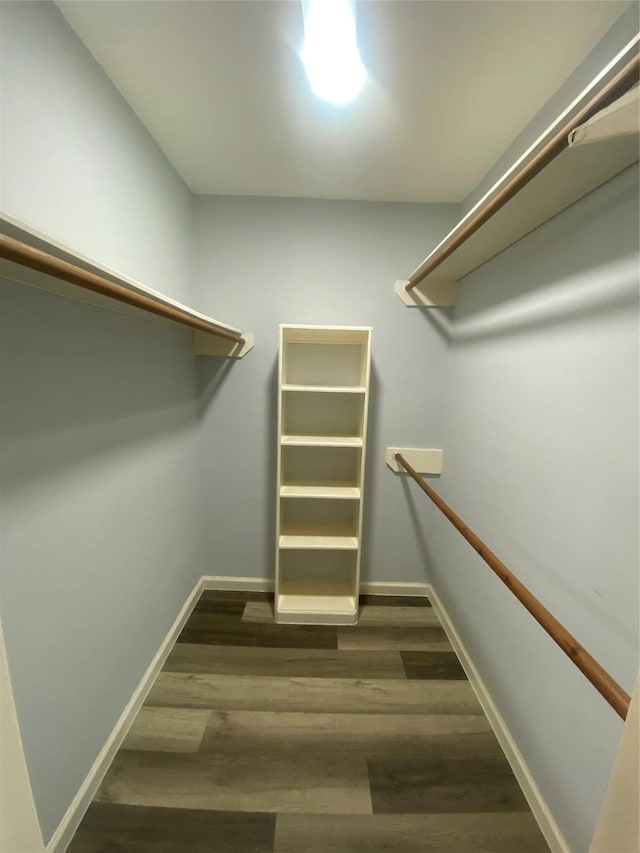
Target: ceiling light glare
330,53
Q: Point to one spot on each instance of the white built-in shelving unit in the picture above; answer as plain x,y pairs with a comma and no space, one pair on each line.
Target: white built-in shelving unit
323,391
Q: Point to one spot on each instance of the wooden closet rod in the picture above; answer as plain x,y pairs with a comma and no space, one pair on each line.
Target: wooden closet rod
617,86
597,675
35,259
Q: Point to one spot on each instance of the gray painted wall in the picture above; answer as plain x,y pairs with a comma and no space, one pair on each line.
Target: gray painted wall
541,460
624,29
275,261
76,161
102,535
101,522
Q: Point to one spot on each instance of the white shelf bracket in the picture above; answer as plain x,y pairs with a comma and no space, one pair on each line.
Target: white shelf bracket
430,293
206,344
621,118
423,460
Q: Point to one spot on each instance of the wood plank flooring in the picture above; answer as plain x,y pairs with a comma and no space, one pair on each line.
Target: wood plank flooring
265,738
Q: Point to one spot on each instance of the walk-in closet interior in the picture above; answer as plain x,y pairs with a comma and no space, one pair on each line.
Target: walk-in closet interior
319,365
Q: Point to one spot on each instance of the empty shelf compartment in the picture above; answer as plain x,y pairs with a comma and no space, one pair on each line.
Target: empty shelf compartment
301,601
319,518
330,414
325,357
312,566
323,466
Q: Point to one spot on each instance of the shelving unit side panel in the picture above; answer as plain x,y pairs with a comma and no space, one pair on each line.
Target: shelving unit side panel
279,459
365,420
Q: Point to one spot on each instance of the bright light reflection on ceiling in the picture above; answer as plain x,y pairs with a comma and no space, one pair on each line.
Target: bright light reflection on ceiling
330,53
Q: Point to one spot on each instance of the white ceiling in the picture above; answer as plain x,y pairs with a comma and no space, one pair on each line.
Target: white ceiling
220,86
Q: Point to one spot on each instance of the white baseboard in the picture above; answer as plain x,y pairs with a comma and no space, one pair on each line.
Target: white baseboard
267,585
247,584
386,588
547,823
68,825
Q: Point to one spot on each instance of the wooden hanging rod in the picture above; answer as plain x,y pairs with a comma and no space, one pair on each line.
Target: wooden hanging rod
617,86
597,675
36,259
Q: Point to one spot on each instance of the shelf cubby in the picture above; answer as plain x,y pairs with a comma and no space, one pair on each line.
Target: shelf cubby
324,466
318,517
322,413
318,357
308,602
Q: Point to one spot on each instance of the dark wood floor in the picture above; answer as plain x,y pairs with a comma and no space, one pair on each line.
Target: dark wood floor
262,738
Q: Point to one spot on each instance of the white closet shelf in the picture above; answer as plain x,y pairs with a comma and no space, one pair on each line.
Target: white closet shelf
339,492
30,257
547,178
570,177
321,441
326,389
326,543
